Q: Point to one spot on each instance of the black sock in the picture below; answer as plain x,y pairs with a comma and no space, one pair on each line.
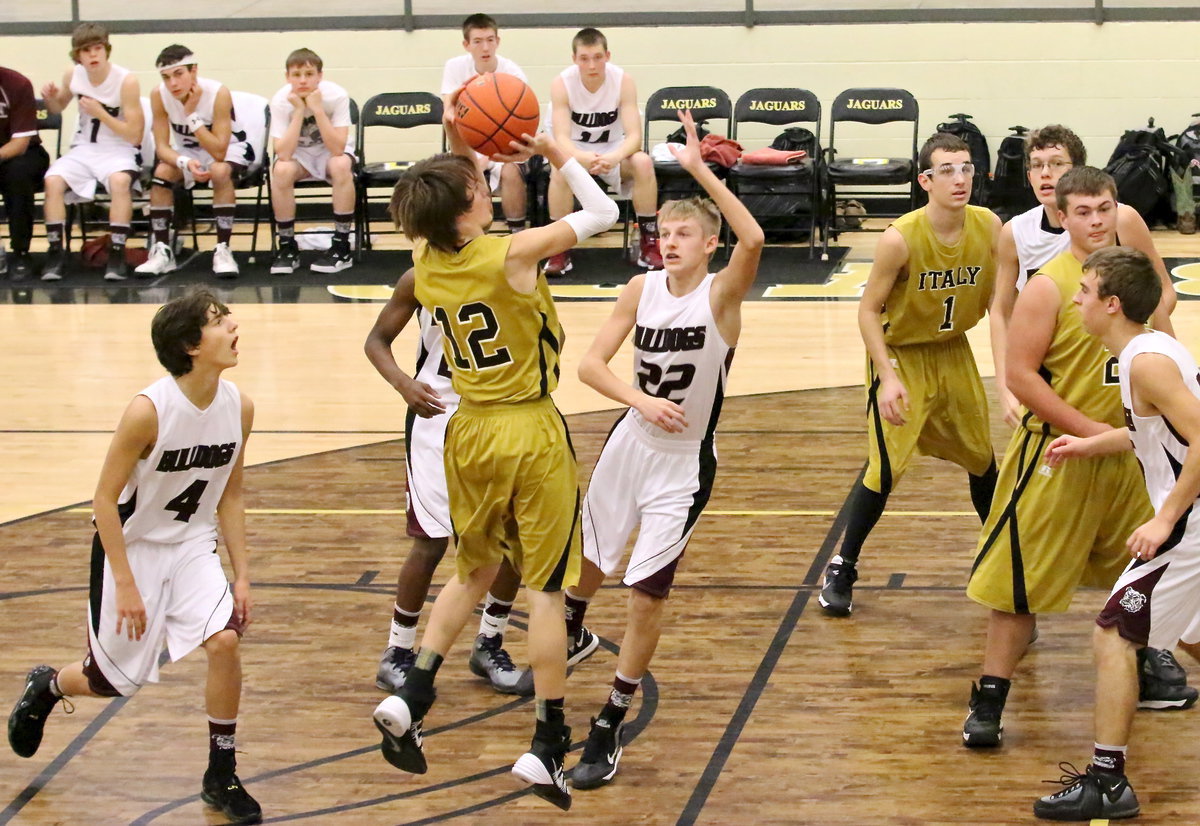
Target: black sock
863,509
619,700
54,234
982,488
116,247
576,608
418,685
342,225
221,760
160,224
995,684
224,215
287,233
515,224
551,713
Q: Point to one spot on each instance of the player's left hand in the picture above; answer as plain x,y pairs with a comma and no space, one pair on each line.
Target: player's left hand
242,603
527,147
689,156
1148,538
313,100
604,164
201,174
90,106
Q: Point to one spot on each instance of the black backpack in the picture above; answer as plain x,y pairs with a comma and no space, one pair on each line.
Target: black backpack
795,139
1189,140
1011,193
960,126
1138,165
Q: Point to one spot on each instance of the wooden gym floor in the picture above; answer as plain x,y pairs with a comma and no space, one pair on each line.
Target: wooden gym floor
758,708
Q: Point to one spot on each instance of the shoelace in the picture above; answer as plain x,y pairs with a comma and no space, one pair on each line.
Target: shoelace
404,658
1166,658
501,659
1071,777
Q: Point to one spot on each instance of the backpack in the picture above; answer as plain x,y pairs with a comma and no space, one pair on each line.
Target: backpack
1010,192
961,127
1189,139
1138,165
795,139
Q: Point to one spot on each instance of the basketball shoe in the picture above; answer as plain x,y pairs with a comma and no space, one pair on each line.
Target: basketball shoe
230,796
337,259
983,728
393,668
648,254
542,766
161,260
837,594
1162,682
56,264
286,260
490,661
28,718
581,646
402,738
601,754
558,265
1088,796
224,265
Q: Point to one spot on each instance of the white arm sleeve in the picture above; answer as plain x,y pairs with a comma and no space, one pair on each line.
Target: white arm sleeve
598,213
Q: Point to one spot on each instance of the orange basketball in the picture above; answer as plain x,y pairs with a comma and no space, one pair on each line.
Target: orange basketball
493,109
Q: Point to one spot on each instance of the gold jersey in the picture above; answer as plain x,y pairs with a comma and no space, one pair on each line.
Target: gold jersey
1076,365
501,345
945,288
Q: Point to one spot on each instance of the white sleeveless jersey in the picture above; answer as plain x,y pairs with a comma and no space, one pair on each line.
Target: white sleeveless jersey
1159,447
172,495
678,354
595,116
108,93
431,360
181,135
1037,242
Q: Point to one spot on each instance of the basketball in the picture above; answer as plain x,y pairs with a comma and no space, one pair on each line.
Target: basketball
495,109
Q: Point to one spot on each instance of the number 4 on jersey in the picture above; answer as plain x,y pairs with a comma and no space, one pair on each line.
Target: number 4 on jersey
188,502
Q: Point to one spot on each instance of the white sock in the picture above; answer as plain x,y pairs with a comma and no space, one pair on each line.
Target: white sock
491,625
401,636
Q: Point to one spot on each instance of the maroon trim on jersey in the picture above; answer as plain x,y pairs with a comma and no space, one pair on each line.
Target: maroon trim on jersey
97,682
18,114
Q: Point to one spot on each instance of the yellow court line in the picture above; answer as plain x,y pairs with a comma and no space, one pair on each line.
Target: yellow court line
401,512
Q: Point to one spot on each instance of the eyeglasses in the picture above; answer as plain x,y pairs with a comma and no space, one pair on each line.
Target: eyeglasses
949,170
1053,166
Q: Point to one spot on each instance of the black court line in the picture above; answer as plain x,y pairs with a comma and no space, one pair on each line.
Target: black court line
758,683
367,577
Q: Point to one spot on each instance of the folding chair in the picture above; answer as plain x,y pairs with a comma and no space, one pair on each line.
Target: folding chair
706,103
870,176
780,197
397,110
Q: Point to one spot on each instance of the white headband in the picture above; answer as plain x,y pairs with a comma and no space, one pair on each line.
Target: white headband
186,60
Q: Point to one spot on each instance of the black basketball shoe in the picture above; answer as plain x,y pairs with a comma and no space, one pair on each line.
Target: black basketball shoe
1162,682
601,754
402,737
837,594
541,768
1088,796
581,646
983,728
28,718
230,796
